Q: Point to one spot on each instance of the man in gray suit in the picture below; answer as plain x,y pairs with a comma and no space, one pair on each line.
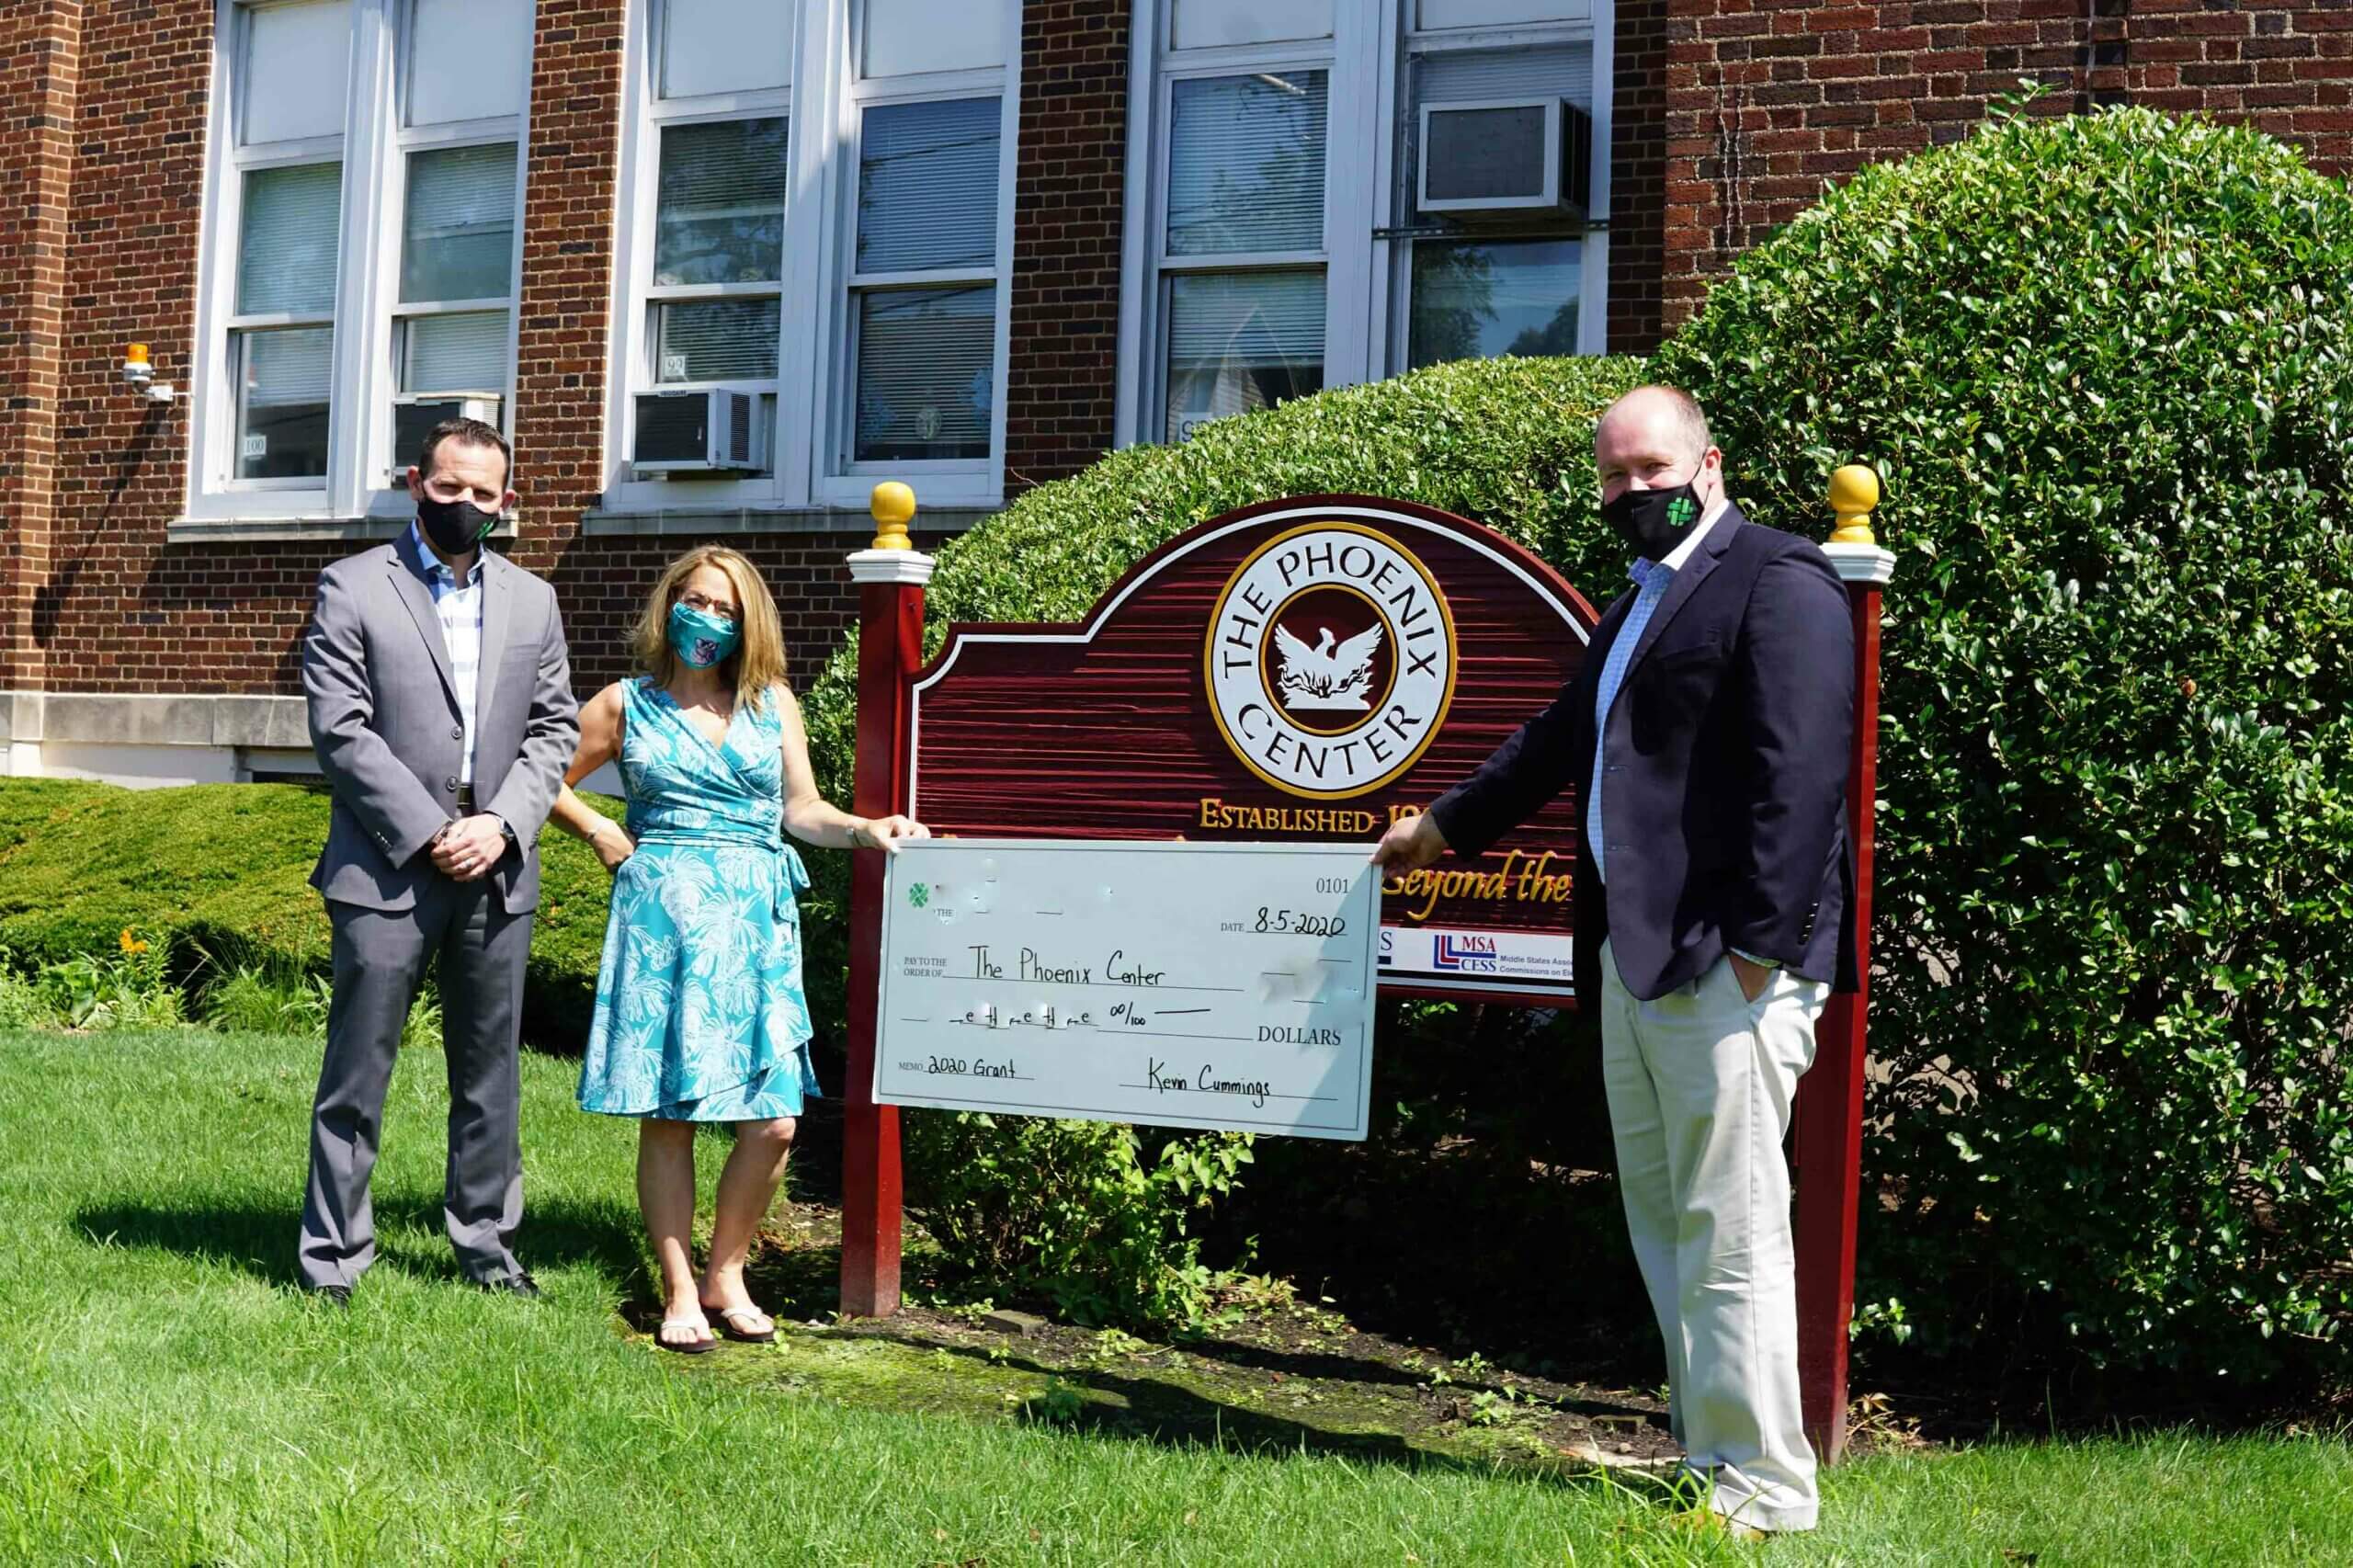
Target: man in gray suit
442,714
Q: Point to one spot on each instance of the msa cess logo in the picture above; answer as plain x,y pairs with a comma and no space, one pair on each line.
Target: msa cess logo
1461,952
1330,660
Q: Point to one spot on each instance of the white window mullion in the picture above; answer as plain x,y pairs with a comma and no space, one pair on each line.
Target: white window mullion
1350,169
1593,323
932,277
1140,228
806,316
1383,297
628,358
362,375
1008,166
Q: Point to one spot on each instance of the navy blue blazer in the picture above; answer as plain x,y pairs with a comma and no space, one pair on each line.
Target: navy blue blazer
1725,815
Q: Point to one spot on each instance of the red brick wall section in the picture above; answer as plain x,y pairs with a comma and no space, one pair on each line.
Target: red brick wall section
1730,116
120,612
566,303
1637,175
1066,221
39,61
117,609
1767,99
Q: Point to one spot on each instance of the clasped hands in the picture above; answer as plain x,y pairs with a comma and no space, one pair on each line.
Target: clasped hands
467,849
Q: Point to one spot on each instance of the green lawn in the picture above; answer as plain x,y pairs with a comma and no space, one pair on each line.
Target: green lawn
167,1399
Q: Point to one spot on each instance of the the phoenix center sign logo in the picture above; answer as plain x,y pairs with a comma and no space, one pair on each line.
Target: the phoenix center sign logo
1306,669
1330,661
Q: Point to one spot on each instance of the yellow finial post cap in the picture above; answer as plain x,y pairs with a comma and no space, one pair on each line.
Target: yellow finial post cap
894,505
1854,490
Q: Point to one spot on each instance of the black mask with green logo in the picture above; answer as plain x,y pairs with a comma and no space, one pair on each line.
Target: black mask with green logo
1652,522
454,526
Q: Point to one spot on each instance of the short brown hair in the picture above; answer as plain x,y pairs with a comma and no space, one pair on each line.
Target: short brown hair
466,433
758,658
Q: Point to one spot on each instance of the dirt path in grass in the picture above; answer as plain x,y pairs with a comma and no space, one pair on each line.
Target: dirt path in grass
1277,1371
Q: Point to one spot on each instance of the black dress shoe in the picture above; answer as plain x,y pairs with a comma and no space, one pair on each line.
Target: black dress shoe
338,1296
515,1284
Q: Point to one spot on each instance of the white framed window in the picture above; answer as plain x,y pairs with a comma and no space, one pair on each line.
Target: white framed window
816,212
360,253
923,285
1279,249
1244,278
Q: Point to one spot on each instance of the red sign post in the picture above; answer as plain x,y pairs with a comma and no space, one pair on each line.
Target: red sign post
1307,669
891,579
1829,1133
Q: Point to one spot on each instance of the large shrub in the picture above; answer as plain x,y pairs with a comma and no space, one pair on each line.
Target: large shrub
1506,441
219,875
2103,365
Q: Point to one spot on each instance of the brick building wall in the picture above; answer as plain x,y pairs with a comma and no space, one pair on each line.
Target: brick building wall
1638,176
119,611
98,247
1729,116
573,149
1063,380
40,66
1766,99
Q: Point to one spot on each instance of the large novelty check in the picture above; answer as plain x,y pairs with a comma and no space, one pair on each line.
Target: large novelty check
1180,984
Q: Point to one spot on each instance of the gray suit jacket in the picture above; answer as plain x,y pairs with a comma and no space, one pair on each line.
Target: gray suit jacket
383,709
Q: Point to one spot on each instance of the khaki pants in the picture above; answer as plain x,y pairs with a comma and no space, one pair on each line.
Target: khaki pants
1699,1084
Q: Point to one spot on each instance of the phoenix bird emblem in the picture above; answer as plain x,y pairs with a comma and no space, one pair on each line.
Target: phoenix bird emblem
1331,675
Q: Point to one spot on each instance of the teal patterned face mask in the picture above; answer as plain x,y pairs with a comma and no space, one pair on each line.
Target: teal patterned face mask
700,638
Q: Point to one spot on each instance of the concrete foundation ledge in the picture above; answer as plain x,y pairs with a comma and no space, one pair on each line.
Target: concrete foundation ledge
155,739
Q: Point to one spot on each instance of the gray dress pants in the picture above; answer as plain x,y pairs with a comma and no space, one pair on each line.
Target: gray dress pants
381,957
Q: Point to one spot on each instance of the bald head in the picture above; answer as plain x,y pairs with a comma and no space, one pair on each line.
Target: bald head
1667,413
1655,437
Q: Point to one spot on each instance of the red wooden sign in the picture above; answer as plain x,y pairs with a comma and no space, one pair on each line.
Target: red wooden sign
1307,669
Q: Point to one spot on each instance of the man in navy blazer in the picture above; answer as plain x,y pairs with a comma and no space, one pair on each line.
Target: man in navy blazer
1706,737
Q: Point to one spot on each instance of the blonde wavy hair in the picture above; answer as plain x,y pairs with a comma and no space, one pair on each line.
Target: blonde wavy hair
758,660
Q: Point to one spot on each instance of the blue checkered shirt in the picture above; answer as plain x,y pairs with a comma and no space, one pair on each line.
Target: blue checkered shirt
460,608
1651,579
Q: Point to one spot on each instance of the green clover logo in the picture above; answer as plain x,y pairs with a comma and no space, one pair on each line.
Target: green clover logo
1682,510
918,895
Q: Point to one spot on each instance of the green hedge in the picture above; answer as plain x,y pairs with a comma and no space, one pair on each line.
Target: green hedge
221,873
2103,363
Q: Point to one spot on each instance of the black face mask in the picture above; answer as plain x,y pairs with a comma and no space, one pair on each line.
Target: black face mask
1652,522
454,526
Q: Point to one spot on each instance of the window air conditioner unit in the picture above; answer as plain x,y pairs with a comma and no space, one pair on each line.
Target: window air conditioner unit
710,431
416,413
1510,156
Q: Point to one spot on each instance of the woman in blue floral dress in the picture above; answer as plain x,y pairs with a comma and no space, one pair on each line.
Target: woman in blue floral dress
700,1014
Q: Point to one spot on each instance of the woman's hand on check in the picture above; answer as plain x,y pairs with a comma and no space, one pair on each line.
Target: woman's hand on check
1410,844
886,832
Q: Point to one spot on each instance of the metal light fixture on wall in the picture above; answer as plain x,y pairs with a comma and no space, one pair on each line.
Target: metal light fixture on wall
141,375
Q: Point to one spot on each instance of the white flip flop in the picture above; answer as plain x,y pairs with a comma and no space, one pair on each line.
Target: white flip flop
740,1336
